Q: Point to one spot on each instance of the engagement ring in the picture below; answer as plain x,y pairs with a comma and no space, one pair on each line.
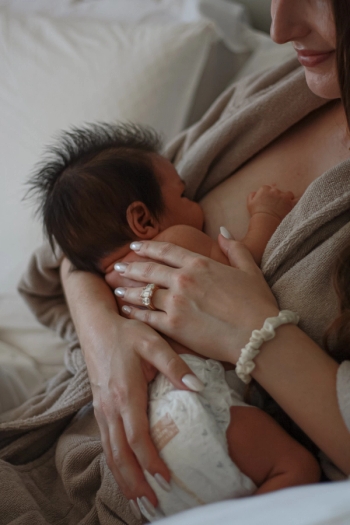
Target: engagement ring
147,294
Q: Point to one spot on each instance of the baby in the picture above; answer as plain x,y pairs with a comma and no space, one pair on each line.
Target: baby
107,186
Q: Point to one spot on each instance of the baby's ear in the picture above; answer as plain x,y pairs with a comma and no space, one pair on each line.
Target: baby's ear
141,221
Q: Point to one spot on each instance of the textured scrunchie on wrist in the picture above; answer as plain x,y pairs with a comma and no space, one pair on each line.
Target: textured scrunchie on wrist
245,364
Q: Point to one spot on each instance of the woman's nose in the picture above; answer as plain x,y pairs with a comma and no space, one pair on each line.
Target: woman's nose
288,20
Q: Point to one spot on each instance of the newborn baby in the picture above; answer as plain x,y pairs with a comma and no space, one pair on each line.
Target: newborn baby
107,186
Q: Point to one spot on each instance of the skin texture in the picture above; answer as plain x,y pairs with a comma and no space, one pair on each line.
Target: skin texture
309,25
257,444
228,302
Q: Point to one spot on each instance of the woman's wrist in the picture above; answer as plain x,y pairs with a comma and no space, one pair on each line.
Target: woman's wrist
91,304
255,322
246,364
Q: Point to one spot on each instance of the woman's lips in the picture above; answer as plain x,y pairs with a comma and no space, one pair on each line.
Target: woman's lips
312,58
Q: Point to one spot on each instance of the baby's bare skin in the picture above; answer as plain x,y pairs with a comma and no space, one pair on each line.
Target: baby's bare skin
257,444
267,207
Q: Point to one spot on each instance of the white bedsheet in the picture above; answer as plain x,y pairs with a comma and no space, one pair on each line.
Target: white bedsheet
322,504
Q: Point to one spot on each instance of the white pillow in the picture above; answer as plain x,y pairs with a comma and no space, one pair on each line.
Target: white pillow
230,17
58,73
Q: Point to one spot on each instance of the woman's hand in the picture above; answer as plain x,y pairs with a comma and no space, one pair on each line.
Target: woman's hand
205,305
122,356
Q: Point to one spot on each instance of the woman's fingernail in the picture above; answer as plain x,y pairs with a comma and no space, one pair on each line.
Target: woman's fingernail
162,482
120,292
225,233
192,382
135,510
145,502
121,267
135,246
126,309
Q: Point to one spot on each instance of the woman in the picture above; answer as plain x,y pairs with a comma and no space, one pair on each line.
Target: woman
214,306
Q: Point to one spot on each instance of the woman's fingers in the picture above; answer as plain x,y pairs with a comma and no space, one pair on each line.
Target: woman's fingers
124,465
164,252
127,443
166,360
124,425
115,446
137,432
238,255
133,296
146,272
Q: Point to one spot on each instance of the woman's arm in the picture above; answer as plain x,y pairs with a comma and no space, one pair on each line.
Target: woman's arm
220,307
301,377
121,356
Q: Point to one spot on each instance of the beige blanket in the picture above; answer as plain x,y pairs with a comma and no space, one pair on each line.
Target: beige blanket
52,469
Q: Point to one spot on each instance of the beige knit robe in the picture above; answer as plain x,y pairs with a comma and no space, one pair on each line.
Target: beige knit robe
52,469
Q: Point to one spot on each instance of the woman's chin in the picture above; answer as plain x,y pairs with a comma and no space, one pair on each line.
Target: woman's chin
323,83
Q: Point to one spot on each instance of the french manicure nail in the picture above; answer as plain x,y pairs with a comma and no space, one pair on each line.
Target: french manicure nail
225,233
135,246
126,309
145,502
135,510
121,267
162,482
119,292
193,383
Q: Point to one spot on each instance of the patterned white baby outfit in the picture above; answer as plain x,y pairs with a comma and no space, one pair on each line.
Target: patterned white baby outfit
189,430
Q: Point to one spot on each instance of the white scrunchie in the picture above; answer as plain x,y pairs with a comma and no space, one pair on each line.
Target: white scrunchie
245,364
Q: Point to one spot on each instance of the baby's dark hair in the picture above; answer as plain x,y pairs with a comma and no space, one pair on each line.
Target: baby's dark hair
85,184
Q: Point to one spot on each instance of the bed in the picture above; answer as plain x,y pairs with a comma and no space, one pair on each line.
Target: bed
157,62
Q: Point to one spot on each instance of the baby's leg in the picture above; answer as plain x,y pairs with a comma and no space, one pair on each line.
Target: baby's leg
266,453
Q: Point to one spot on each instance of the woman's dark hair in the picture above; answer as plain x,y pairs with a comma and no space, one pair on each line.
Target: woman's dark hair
339,330
85,184
341,11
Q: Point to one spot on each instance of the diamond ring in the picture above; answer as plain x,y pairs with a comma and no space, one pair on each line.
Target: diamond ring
147,294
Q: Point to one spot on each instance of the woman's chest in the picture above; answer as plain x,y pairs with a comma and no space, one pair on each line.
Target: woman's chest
292,162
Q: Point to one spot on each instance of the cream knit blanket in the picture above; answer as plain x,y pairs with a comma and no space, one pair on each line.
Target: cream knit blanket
52,469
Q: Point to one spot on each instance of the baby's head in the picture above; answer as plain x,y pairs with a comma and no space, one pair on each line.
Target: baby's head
104,186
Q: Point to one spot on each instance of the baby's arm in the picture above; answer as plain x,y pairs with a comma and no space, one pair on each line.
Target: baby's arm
267,207
262,449
258,445
194,240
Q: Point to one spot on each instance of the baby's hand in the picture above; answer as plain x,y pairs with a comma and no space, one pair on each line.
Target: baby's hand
271,200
